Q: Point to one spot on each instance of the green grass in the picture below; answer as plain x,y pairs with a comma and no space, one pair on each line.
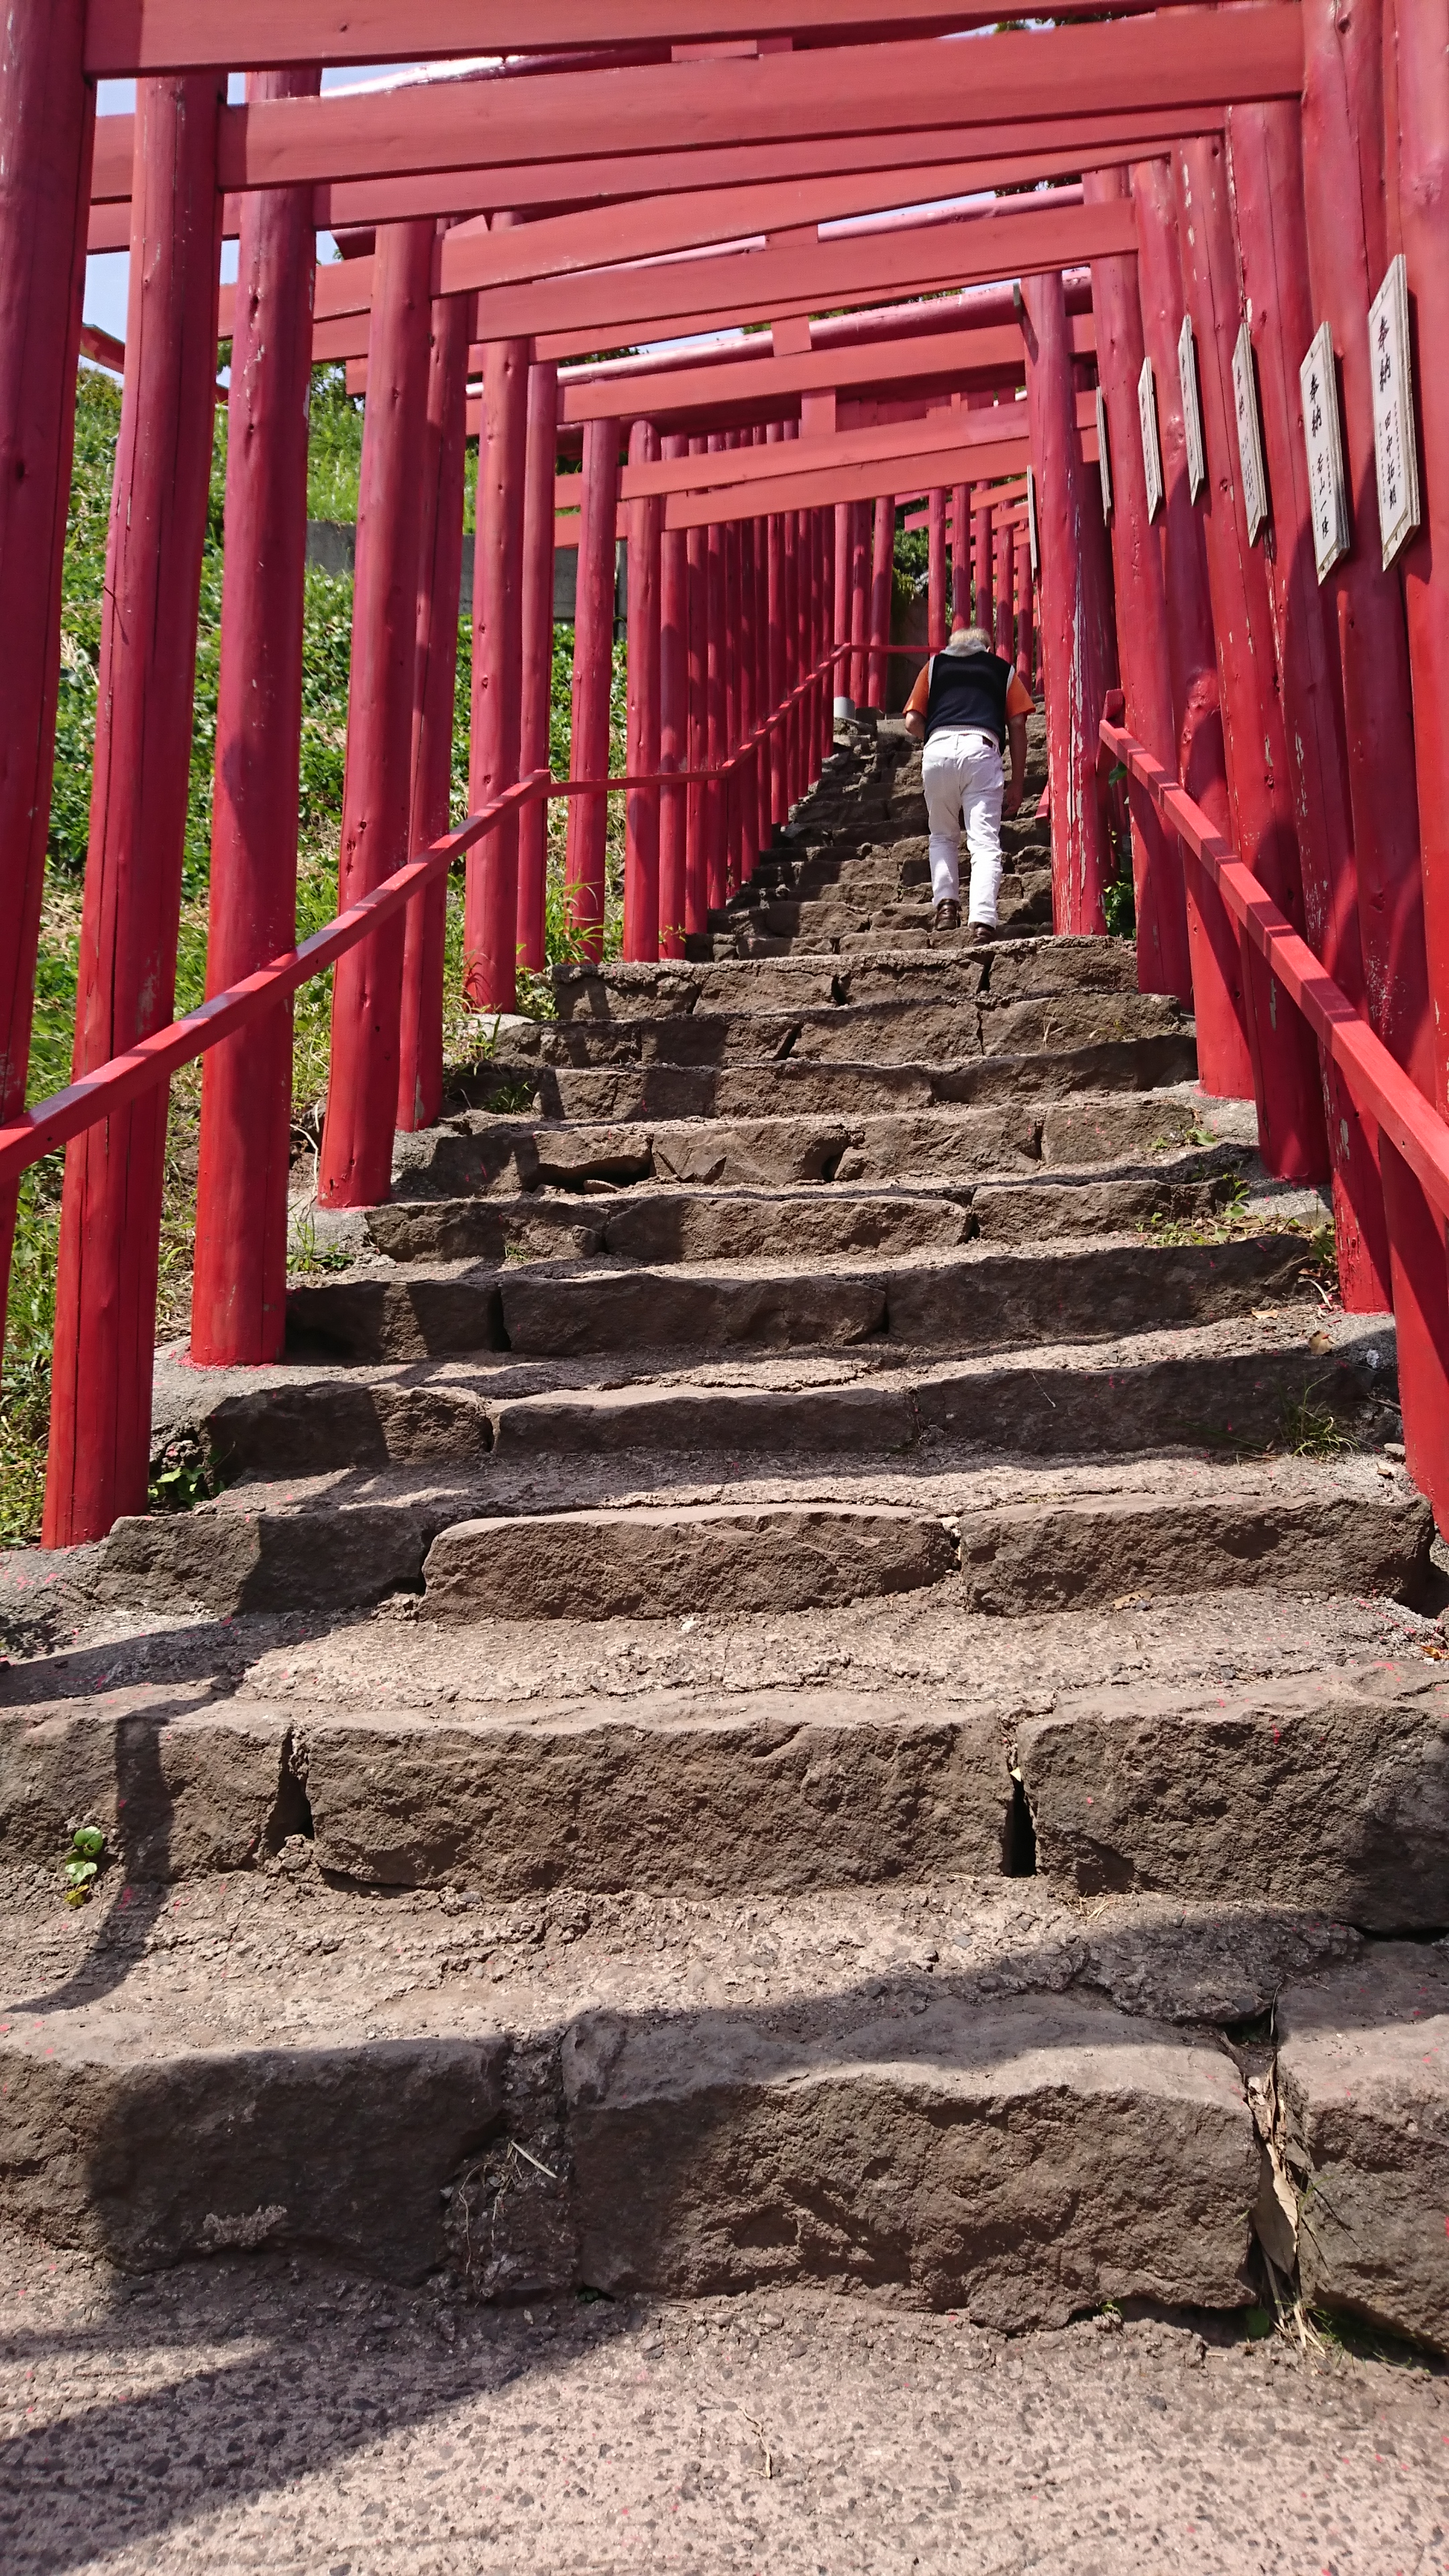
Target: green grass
335,451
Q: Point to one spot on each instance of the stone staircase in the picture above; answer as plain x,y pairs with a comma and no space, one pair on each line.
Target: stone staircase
817,1668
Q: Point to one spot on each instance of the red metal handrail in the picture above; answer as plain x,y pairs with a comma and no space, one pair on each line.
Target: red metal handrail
122,1078
1377,1081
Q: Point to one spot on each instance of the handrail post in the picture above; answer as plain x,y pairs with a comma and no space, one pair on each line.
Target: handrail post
859,601
105,1327
47,122
239,1283
355,1165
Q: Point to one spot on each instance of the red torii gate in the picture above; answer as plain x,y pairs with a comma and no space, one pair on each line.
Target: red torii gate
1294,713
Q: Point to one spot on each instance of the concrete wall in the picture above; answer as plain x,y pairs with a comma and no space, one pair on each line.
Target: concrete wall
332,547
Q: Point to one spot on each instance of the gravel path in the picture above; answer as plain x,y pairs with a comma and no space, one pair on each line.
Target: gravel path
256,2414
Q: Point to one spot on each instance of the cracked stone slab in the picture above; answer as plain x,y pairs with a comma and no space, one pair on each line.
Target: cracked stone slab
1363,2085
1328,1790
657,1564
1021,2163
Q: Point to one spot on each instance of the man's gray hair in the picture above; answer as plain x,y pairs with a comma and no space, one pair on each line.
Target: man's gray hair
970,639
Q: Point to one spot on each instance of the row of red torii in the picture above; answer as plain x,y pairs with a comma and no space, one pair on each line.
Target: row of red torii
1206,406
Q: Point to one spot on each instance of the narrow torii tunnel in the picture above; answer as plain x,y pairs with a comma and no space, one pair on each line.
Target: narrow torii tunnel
888,1041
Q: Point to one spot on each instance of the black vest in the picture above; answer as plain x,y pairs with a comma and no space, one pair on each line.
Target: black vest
968,694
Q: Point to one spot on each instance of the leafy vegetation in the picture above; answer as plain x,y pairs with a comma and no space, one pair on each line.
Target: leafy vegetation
334,464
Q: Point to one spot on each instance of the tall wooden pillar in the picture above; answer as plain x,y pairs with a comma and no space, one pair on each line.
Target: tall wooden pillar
588,821
47,120
1265,167
790,542
536,698
355,1165
779,782
440,585
859,598
844,706
1025,609
673,721
1078,645
714,704
641,808
490,927
696,865
936,573
1291,1131
734,838
239,1285
1004,584
1416,156
985,609
961,555
882,576
105,1324
823,635
1418,141
1164,964
748,772
1194,749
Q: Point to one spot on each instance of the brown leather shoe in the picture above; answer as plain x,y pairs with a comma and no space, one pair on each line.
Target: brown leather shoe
947,916
979,932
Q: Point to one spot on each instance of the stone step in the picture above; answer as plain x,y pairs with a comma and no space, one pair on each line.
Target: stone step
1081,1551
1327,1791
474,1154
973,1299
885,1032
1241,1385
659,1564
1024,911
705,1223
801,1086
572,1759
1362,2092
1012,970
792,1541
931,2096
874,908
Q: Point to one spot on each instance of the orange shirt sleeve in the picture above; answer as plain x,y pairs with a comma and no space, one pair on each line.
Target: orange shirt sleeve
1019,700
917,701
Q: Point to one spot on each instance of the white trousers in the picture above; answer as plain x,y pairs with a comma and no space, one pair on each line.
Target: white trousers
962,776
